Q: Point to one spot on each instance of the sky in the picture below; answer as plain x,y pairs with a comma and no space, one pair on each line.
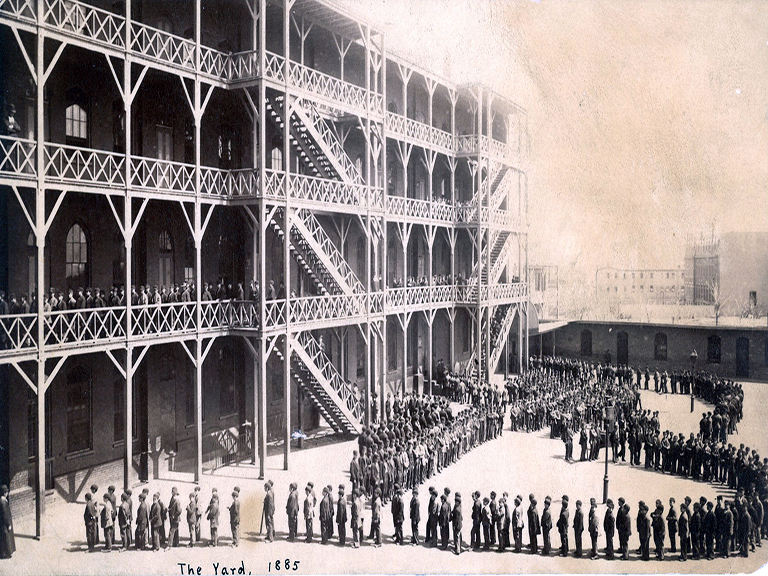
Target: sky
647,119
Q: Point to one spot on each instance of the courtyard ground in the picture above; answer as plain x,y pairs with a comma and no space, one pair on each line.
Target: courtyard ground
517,463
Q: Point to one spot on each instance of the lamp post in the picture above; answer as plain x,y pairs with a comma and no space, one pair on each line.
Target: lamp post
694,357
609,418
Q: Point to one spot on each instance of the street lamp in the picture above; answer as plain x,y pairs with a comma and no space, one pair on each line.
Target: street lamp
609,418
694,357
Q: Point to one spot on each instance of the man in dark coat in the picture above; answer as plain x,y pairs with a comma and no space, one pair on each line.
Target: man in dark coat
325,516
562,526
546,526
659,530
485,517
124,521
341,516
457,520
192,518
709,526
292,510
644,530
695,530
445,521
89,516
234,517
624,528
578,528
174,515
593,527
682,529
672,525
398,514
269,511
7,539
432,519
415,514
534,525
477,518
155,521
727,526
609,525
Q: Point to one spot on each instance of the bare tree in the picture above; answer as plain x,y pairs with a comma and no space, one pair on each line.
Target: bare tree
719,299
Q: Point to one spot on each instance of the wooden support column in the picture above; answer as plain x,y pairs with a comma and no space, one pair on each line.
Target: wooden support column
261,382
287,107
40,280
198,256
128,239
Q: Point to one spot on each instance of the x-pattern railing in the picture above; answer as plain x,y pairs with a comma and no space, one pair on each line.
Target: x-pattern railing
412,129
214,181
243,66
215,314
93,23
83,326
162,46
274,313
244,314
162,175
163,319
508,291
408,207
17,156
215,63
274,67
329,372
243,182
326,191
327,86
18,333
23,9
310,309
274,186
84,165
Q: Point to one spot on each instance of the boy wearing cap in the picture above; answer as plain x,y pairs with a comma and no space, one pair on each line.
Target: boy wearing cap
546,526
562,527
234,518
415,516
593,527
457,520
341,516
477,517
485,515
609,525
292,510
398,514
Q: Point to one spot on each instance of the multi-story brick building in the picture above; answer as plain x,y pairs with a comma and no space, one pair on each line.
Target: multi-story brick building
640,285
158,144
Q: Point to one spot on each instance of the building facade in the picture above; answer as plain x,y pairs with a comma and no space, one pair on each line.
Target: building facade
264,218
640,285
730,271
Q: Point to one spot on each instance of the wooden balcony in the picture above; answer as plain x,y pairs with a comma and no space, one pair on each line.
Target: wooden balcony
418,133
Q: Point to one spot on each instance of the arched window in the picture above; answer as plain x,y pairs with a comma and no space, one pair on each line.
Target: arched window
586,343
660,346
277,158
164,24
392,107
359,166
713,349
76,268
165,259
79,429
76,117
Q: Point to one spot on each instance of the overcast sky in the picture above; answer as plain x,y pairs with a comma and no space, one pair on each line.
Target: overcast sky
647,119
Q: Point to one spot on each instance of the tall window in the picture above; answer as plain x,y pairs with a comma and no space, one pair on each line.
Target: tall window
32,424
360,249
277,158
118,423
227,388
360,357
586,343
713,349
79,431
31,263
660,346
165,259
76,117
392,329
359,165
77,269
190,397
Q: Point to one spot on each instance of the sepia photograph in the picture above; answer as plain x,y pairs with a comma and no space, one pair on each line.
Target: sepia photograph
383,287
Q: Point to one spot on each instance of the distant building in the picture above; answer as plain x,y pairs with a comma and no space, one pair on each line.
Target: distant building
731,269
544,289
640,285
